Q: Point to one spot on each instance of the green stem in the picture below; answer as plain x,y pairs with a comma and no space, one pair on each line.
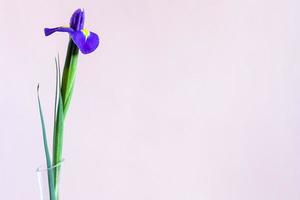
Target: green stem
65,94
69,74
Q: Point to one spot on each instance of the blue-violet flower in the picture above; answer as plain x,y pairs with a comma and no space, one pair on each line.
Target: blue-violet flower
84,39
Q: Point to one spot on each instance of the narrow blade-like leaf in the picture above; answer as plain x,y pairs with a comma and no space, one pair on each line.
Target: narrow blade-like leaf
47,154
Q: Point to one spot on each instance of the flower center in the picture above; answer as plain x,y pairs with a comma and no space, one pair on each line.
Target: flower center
85,32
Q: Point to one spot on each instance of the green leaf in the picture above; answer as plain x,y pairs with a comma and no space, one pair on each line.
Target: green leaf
57,72
47,154
59,125
57,151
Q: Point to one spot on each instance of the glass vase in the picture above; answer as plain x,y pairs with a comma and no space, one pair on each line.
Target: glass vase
44,176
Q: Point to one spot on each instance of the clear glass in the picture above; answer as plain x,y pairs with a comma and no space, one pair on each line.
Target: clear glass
43,174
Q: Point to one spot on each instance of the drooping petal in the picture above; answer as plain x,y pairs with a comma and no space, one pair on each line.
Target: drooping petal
85,40
77,20
49,31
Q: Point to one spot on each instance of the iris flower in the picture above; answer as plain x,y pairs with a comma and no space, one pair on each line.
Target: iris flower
84,39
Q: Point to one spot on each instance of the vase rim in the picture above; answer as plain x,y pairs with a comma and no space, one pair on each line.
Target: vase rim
43,168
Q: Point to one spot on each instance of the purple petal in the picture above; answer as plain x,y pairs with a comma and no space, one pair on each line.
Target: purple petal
49,31
86,43
77,20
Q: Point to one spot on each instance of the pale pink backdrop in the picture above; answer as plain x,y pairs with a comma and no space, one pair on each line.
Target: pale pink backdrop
184,99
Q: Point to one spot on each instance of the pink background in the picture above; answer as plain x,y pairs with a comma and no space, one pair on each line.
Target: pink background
184,100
